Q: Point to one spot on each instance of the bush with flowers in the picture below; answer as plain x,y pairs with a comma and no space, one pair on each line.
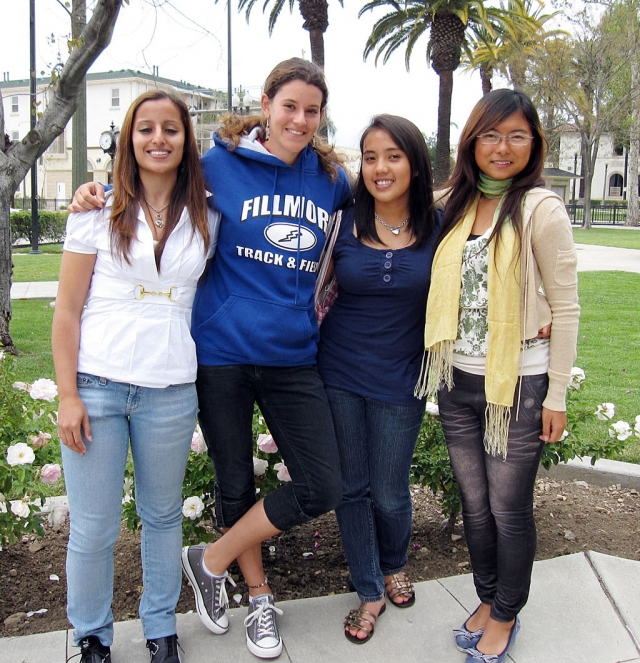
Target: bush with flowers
198,500
431,467
29,453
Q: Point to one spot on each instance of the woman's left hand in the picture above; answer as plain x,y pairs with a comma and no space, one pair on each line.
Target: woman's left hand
554,424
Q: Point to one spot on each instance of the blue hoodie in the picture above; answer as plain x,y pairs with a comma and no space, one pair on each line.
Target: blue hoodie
255,303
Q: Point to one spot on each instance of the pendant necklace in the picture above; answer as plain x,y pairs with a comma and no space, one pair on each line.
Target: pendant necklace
158,220
394,229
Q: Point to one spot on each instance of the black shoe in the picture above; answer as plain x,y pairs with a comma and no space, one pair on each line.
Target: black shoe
164,650
93,651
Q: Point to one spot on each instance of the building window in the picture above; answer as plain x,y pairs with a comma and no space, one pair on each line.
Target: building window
615,186
15,108
58,145
115,97
15,135
618,150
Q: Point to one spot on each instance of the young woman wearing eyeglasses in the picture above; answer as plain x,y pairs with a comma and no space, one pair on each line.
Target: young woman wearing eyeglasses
501,390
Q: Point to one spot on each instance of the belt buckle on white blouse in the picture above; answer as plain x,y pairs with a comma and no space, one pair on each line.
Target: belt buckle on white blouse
140,292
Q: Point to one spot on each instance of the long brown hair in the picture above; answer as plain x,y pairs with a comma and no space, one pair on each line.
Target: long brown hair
490,111
128,193
295,69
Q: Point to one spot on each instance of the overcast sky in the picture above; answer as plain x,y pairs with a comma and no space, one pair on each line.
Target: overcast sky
187,40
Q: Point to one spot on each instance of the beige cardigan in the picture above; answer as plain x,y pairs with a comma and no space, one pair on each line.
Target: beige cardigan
549,285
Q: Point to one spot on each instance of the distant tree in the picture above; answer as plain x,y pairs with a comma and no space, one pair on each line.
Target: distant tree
447,23
17,158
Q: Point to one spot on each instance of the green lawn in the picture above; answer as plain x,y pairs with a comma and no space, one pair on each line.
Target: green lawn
624,238
31,332
37,267
609,348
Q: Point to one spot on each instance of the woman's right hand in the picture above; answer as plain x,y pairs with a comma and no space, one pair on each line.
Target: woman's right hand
88,197
72,420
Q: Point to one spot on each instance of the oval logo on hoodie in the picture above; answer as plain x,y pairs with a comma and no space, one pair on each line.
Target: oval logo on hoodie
290,237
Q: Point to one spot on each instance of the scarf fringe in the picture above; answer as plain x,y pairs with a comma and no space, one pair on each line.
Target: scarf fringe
437,367
496,434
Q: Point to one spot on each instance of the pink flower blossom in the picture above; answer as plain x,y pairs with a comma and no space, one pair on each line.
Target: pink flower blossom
40,440
50,473
267,444
198,445
44,390
283,472
259,466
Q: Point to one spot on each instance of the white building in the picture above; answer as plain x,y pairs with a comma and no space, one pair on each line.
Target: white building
609,173
109,94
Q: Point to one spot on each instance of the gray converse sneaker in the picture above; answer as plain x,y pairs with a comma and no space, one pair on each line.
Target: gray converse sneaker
210,591
263,639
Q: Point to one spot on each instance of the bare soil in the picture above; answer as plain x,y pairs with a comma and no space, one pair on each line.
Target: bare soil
571,516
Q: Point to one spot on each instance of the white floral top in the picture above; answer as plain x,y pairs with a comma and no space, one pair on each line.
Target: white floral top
473,326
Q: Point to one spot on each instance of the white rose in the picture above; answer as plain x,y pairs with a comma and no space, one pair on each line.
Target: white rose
20,454
20,386
1,355
577,377
20,508
432,408
192,507
621,430
636,428
605,411
259,466
198,445
57,515
3,507
44,390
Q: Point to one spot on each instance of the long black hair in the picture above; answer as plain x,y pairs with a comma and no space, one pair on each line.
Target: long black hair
423,217
490,111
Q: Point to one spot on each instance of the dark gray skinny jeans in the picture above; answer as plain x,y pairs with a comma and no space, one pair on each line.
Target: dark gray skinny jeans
497,493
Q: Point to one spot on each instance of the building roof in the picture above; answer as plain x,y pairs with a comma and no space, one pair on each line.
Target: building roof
558,172
114,75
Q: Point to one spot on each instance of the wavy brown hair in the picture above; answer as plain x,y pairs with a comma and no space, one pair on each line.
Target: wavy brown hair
490,111
234,127
128,192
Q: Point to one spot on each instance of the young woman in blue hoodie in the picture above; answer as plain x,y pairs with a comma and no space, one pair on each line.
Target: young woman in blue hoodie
276,184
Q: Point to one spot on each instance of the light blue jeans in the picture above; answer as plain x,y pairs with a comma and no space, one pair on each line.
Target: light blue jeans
376,441
159,424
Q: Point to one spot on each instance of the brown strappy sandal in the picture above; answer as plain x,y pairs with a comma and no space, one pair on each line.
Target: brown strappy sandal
363,620
400,585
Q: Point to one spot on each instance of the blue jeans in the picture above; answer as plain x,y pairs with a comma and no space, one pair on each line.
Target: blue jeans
295,408
159,424
376,441
497,493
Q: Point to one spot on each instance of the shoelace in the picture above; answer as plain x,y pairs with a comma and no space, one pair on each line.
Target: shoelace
266,621
84,645
154,648
222,600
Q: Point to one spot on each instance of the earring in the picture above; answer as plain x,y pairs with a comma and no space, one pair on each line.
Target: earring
266,130
313,141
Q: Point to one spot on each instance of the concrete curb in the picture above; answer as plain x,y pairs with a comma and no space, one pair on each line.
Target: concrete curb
603,473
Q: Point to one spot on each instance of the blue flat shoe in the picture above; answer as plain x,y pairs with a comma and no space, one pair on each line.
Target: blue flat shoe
466,639
474,656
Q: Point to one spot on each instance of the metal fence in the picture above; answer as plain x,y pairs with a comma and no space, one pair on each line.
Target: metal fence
609,214
50,204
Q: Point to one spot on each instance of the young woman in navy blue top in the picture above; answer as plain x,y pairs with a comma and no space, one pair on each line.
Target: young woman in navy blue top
370,352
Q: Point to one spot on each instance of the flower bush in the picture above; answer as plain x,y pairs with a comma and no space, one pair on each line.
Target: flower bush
28,457
198,499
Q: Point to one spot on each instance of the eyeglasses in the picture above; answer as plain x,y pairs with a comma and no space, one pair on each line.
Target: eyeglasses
515,140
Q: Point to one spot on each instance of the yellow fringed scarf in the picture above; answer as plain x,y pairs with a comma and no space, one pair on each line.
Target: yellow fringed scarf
441,327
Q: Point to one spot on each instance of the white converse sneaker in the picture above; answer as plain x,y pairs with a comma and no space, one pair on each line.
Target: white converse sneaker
263,639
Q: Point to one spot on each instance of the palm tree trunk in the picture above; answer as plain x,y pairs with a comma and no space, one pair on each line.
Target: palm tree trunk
443,147
486,76
316,39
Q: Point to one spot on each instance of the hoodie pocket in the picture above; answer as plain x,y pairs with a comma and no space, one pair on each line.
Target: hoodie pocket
258,331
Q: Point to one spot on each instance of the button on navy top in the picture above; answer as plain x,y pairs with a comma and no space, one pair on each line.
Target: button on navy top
371,342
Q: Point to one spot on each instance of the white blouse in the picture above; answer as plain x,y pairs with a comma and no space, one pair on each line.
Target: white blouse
135,327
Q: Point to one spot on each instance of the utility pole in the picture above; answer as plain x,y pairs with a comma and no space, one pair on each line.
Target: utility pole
33,87
79,132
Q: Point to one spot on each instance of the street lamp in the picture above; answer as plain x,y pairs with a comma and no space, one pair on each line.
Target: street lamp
109,142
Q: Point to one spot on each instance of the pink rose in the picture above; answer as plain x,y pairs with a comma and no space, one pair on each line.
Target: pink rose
50,473
198,445
267,444
44,390
40,440
283,472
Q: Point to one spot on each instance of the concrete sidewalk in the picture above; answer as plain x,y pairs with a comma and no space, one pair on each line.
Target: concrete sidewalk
590,258
583,608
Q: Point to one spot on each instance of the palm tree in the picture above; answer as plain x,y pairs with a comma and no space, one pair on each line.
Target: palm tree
314,12
448,22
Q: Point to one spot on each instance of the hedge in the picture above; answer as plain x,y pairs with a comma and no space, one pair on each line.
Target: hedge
51,224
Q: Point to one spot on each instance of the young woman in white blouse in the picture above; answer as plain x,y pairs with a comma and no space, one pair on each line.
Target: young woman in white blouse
126,366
